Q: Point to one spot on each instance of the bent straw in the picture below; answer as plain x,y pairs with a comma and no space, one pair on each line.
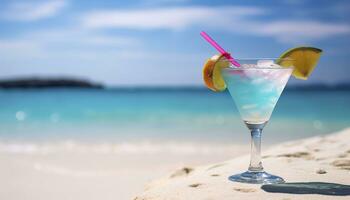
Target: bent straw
219,48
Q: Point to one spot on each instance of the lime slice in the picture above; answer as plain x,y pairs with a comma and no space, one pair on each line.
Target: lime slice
303,59
212,73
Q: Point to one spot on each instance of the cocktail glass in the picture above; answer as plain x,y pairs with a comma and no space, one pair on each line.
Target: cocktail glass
255,88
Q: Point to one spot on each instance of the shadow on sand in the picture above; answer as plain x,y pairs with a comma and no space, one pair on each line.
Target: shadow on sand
309,188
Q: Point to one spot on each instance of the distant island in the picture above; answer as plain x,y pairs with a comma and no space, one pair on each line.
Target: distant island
27,83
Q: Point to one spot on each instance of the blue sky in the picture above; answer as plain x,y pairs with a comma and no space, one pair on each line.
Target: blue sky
138,43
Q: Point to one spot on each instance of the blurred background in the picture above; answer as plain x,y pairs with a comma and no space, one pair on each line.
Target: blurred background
99,97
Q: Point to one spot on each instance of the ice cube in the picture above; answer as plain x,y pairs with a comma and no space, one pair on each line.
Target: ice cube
274,65
265,63
248,65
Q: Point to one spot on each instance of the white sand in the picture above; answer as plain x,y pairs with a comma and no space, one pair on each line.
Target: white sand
317,159
50,171
120,171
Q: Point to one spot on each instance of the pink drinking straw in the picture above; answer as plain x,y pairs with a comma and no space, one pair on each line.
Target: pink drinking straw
220,49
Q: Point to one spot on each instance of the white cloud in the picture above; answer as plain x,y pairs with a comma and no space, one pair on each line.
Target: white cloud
165,18
111,40
64,43
80,37
29,11
235,19
297,31
304,28
291,31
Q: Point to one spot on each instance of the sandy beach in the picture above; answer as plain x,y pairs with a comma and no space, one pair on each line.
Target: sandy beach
68,170
314,168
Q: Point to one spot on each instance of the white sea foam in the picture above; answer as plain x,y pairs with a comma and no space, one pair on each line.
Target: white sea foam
124,148
68,171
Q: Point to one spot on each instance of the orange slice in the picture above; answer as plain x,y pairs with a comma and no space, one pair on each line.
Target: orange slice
212,73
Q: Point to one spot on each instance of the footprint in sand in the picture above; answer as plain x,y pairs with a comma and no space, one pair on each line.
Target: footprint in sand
301,154
215,175
343,155
195,185
216,166
182,172
316,150
244,190
342,164
321,171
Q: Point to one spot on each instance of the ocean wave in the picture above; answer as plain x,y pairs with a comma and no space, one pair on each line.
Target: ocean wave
180,148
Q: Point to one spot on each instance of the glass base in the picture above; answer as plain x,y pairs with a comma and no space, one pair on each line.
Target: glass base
256,178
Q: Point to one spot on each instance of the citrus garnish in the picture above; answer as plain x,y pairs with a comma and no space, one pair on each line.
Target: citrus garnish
303,59
212,73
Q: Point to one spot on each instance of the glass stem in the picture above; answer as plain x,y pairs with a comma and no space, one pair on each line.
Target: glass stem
255,155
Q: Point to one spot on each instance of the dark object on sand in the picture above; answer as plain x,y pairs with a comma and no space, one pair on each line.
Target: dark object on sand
309,188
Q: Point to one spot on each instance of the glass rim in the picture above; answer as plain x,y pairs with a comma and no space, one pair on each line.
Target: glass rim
233,67
268,58
255,68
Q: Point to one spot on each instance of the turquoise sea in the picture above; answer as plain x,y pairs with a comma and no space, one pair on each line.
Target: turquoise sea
174,114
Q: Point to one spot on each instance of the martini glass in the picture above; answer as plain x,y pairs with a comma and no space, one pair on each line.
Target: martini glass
255,88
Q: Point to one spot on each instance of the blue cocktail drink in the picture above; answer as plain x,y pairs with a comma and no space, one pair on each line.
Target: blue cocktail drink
255,88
